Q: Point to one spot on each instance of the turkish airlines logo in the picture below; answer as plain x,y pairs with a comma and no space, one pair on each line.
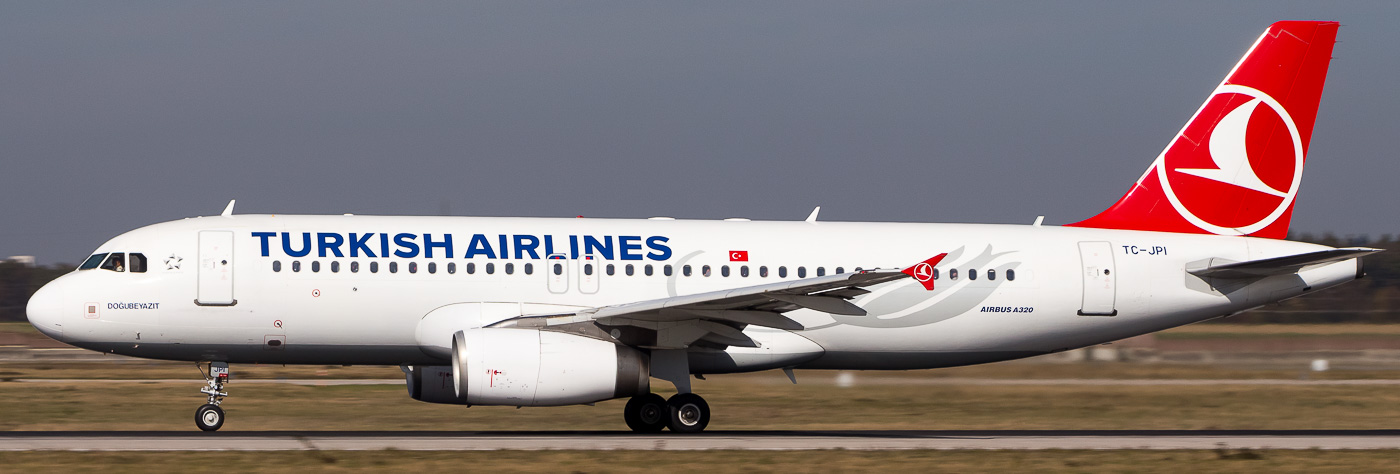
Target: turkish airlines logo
923,272
1236,168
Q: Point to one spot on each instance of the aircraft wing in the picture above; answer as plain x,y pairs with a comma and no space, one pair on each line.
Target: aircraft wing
719,317
1280,265
826,293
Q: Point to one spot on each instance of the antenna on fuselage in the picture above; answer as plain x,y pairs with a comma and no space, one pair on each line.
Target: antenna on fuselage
228,211
813,216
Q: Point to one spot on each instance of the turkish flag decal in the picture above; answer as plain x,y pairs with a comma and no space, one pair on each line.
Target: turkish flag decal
738,255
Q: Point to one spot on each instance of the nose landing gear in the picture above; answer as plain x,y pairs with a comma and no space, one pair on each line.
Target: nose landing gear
209,417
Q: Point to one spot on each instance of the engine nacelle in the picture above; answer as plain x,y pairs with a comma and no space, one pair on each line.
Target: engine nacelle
530,367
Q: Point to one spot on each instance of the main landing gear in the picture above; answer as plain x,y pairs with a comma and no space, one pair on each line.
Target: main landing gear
682,413
209,417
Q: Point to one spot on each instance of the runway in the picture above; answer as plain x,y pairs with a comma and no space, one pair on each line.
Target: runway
717,440
938,381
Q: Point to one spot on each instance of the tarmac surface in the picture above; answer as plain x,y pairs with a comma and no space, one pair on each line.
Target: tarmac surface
714,440
860,381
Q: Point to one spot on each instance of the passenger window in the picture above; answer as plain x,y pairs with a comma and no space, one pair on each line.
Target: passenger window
588,269
413,267
510,268
558,269
840,270
374,267
705,270
667,270
115,262
432,267
724,271
972,273
93,261
991,273
952,274
935,274
335,267
685,270
744,271
452,268
393,267
821,271
529,269
276,265
471,268
628,269
296,265
802,272
647,270
137,262
610,269
1010,274
490,269
354,267
782,272
316,266
763,272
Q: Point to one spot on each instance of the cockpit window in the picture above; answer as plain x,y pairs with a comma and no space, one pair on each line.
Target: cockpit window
116,262
93,261
136,263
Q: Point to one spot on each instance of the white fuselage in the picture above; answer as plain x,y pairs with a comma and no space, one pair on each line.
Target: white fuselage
324,312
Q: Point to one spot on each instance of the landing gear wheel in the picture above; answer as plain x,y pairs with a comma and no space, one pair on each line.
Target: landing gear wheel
646,413
689,413
209,417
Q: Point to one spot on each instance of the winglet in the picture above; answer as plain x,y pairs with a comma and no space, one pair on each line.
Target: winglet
813,216
228,211
923,271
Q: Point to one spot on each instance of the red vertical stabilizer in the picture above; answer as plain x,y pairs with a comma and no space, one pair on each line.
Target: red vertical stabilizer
1237,165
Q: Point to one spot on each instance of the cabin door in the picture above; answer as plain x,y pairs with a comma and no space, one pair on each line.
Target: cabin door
1100,279
215,268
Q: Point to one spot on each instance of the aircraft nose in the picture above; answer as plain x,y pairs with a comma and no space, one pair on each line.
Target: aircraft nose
46,308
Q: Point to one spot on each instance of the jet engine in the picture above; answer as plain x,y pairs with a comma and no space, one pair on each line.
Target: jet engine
530,367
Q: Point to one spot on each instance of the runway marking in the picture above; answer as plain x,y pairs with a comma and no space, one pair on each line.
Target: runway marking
721,440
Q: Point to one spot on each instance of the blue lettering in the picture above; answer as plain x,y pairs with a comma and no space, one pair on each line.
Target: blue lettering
263,236
384,245
505,251
357,244
604,248
445,245
573,246
625,249
548,245
326,240
407,247
526,243
659,249
481,246
305,245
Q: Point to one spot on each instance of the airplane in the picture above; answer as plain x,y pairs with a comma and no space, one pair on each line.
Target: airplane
556,311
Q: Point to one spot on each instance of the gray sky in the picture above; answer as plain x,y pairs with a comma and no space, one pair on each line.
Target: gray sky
115,115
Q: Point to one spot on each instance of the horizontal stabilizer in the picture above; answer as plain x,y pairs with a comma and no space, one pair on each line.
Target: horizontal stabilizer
1280,265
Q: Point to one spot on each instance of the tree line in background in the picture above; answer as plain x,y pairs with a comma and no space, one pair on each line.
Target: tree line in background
1374,299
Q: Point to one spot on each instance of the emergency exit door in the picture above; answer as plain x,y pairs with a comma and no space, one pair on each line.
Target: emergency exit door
1100,279
215,268
557,272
